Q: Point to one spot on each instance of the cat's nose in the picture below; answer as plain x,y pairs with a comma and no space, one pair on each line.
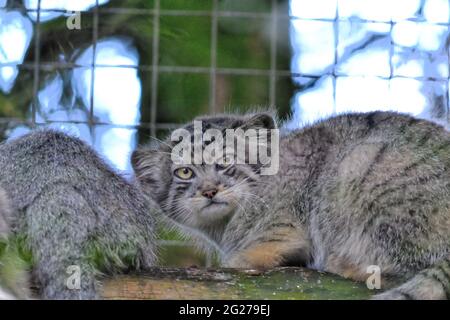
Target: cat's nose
209,193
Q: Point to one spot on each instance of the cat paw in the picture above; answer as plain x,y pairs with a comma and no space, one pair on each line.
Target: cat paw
268,255
261,256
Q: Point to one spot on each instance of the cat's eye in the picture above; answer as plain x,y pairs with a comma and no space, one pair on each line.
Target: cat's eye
184,173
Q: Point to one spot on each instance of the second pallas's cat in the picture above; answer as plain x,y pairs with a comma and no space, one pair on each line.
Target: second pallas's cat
352,191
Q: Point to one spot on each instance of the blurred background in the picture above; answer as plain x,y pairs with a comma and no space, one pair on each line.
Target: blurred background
118,72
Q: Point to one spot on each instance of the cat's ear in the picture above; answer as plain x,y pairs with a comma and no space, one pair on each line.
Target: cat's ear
260,121
148,165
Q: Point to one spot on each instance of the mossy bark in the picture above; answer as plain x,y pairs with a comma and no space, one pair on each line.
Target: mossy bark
193,283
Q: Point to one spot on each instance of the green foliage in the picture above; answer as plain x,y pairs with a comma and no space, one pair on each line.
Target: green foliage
243,43
15,260
185,42
186,4
245,5
110,258
182,97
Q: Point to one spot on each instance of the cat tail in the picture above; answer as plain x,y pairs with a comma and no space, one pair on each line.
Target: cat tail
430,284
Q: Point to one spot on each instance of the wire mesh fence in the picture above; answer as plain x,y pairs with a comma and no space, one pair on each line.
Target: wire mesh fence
38,65
274,12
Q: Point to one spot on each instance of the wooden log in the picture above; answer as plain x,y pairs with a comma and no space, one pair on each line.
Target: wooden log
195,283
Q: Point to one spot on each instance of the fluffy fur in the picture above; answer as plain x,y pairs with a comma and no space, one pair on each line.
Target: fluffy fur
5,214
73,210
352,191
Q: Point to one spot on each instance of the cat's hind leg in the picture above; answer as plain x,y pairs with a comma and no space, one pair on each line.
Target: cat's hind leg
60,226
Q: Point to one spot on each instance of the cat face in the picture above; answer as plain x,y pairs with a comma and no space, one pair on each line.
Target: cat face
204,195
207,195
